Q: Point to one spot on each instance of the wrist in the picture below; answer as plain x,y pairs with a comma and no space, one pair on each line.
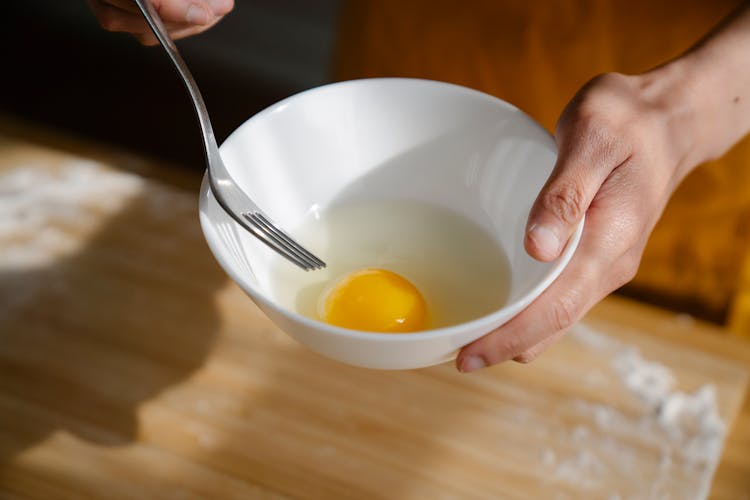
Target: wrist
669,91
705,93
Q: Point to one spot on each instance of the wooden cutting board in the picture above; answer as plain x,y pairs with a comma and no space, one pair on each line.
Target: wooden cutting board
130,367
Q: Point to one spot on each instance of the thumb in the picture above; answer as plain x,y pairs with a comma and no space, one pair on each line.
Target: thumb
584,162
196,12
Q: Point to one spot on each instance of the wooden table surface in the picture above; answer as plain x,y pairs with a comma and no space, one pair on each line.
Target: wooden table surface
130,367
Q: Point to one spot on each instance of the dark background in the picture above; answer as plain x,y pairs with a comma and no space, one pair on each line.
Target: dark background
62,70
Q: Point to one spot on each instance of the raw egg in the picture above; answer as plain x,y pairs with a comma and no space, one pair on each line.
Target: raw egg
374,300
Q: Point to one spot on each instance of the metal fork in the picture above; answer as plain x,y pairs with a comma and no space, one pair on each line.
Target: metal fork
231,198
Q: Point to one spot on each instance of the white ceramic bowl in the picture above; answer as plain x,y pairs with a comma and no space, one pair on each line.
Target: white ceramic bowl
468,151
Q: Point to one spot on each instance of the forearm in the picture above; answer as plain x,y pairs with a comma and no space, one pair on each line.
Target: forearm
708,90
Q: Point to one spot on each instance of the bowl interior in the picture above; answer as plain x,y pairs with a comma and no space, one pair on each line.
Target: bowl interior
385,138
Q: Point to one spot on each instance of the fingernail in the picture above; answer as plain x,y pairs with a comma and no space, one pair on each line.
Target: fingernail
219,7
472,363
197,15
545,240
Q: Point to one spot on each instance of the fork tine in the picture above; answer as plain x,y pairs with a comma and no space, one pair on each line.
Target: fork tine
285,246
282,240
265,236
299,249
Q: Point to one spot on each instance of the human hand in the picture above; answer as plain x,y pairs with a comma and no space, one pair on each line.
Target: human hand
623,147
182,18
624,144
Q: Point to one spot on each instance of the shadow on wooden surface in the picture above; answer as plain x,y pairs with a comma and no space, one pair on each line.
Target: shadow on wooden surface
85,339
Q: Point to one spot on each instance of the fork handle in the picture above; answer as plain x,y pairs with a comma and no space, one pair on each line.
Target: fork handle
223,188
157,26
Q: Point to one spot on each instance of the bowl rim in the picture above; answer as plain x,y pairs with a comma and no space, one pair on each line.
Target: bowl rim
502,315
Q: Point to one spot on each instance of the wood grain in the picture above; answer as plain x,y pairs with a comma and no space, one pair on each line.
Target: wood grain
131,368
537,55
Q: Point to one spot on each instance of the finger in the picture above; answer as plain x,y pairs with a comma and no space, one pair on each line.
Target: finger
532,353
217,7
586,156
561,305
221,7
118,20
115,19
191,12
606,258
149,39
583,282
196,12
126,5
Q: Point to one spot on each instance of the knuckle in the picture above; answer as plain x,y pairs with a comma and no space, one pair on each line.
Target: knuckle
565,311
626,277
585,111
598,106
629,275
565,201
620,278
631,269
609,80
110,21
627,268
526,357
579,116
146,40
504,348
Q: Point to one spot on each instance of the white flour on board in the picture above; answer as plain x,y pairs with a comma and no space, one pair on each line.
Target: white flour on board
43,211
48,213
684,426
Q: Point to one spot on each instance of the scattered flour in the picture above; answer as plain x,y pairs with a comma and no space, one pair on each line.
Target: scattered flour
50,212
685,428
570,469
690,417
44,212
649,381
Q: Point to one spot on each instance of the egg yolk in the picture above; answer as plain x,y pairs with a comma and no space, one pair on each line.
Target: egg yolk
375,300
